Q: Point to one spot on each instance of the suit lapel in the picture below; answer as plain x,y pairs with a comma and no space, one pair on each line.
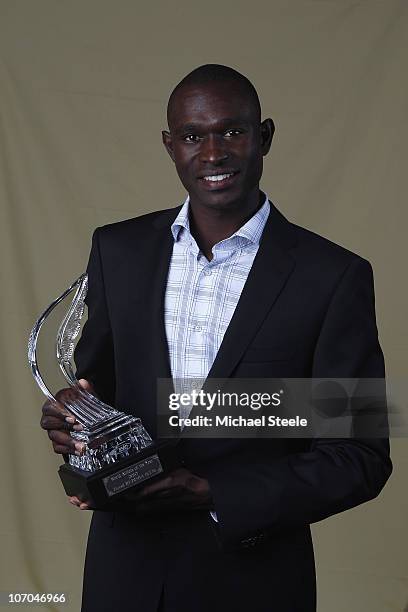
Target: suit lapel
159,262
271,269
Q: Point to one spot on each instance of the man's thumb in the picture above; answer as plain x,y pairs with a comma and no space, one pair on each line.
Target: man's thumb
85,384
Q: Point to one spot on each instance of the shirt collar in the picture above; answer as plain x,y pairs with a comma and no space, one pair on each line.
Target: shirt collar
251,230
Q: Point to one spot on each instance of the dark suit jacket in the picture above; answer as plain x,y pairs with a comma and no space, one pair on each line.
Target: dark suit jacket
307,310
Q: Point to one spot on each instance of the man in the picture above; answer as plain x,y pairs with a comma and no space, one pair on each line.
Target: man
222,287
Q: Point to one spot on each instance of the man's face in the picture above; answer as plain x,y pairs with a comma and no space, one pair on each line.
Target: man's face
217,144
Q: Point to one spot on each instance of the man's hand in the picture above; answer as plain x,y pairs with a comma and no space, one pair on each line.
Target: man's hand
179,490
181,487
58,421
75,501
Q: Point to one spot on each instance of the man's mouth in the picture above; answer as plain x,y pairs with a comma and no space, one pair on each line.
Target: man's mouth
218,181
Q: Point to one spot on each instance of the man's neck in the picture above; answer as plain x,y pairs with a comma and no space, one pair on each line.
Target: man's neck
210,226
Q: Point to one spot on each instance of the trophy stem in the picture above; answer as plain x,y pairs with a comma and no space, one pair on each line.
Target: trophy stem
33,339
88,409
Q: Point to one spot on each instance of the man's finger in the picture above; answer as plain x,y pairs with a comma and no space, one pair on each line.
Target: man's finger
164,484
58,424
75,501
68,424
62,450
63,439
88,386
55,409
66,395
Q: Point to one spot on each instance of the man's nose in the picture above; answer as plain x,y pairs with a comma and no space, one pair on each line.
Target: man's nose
213,149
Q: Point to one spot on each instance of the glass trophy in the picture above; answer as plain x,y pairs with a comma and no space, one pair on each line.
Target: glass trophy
119,455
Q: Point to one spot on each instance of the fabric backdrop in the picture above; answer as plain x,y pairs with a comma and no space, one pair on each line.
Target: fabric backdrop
83,90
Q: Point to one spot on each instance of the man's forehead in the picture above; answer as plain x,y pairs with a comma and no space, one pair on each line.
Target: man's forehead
210,103
218,93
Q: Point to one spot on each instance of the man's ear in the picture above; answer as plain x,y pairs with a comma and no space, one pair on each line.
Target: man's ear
168,143
267,132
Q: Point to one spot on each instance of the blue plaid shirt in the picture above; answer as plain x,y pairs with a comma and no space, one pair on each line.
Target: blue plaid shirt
201,295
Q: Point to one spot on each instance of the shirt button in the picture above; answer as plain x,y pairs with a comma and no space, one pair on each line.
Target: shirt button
208,272
198,328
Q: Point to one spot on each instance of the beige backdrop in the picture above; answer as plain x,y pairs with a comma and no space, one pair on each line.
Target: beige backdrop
83,89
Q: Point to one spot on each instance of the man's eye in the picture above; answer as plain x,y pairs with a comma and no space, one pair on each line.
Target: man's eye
230,133
191,138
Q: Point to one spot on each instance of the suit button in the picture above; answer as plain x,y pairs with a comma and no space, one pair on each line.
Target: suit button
250,542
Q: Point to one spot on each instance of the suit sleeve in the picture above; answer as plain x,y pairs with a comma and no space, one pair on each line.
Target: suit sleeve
257,499
94,355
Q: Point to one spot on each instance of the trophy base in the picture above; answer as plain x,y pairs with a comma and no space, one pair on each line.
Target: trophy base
102,488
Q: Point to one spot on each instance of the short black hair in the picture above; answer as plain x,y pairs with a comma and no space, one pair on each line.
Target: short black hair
213,73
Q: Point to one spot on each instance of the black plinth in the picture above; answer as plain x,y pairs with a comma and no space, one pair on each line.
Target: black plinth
104,487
